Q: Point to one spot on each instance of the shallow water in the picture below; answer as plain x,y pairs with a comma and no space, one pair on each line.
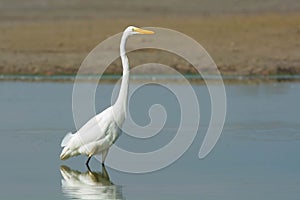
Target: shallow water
257,156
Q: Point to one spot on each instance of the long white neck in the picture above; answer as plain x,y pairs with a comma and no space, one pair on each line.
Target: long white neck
120,106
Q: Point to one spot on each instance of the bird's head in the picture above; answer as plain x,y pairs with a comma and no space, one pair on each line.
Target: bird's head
132,30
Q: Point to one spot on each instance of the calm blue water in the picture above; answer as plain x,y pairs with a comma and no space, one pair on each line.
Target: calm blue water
257,156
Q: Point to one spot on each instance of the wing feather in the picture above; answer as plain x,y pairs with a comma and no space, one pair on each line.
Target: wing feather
94,130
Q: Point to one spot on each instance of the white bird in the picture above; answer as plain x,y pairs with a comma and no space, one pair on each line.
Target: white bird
100,132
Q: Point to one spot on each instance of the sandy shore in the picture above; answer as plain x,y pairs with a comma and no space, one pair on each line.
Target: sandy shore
264,42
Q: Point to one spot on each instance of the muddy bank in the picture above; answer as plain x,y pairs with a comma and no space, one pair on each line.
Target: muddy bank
54,39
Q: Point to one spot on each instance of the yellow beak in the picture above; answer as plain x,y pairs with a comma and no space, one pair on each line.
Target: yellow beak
142,31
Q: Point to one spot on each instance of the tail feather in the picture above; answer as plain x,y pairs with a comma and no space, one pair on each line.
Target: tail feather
66,153
66,139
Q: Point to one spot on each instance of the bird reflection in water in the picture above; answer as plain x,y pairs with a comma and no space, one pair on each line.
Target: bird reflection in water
88,185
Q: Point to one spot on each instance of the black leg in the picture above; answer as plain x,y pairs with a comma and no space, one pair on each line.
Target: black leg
88,167
87,162
104,172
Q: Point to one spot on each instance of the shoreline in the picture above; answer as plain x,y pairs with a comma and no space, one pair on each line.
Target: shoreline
240,44
153,78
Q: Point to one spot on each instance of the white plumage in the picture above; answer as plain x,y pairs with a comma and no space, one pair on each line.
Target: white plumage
100,132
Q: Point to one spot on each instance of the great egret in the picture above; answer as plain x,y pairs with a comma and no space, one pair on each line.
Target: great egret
100,132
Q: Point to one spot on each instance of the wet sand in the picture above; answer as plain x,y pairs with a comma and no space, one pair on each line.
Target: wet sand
52,38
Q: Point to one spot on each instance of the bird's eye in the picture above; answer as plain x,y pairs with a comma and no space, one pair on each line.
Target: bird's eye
132,29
